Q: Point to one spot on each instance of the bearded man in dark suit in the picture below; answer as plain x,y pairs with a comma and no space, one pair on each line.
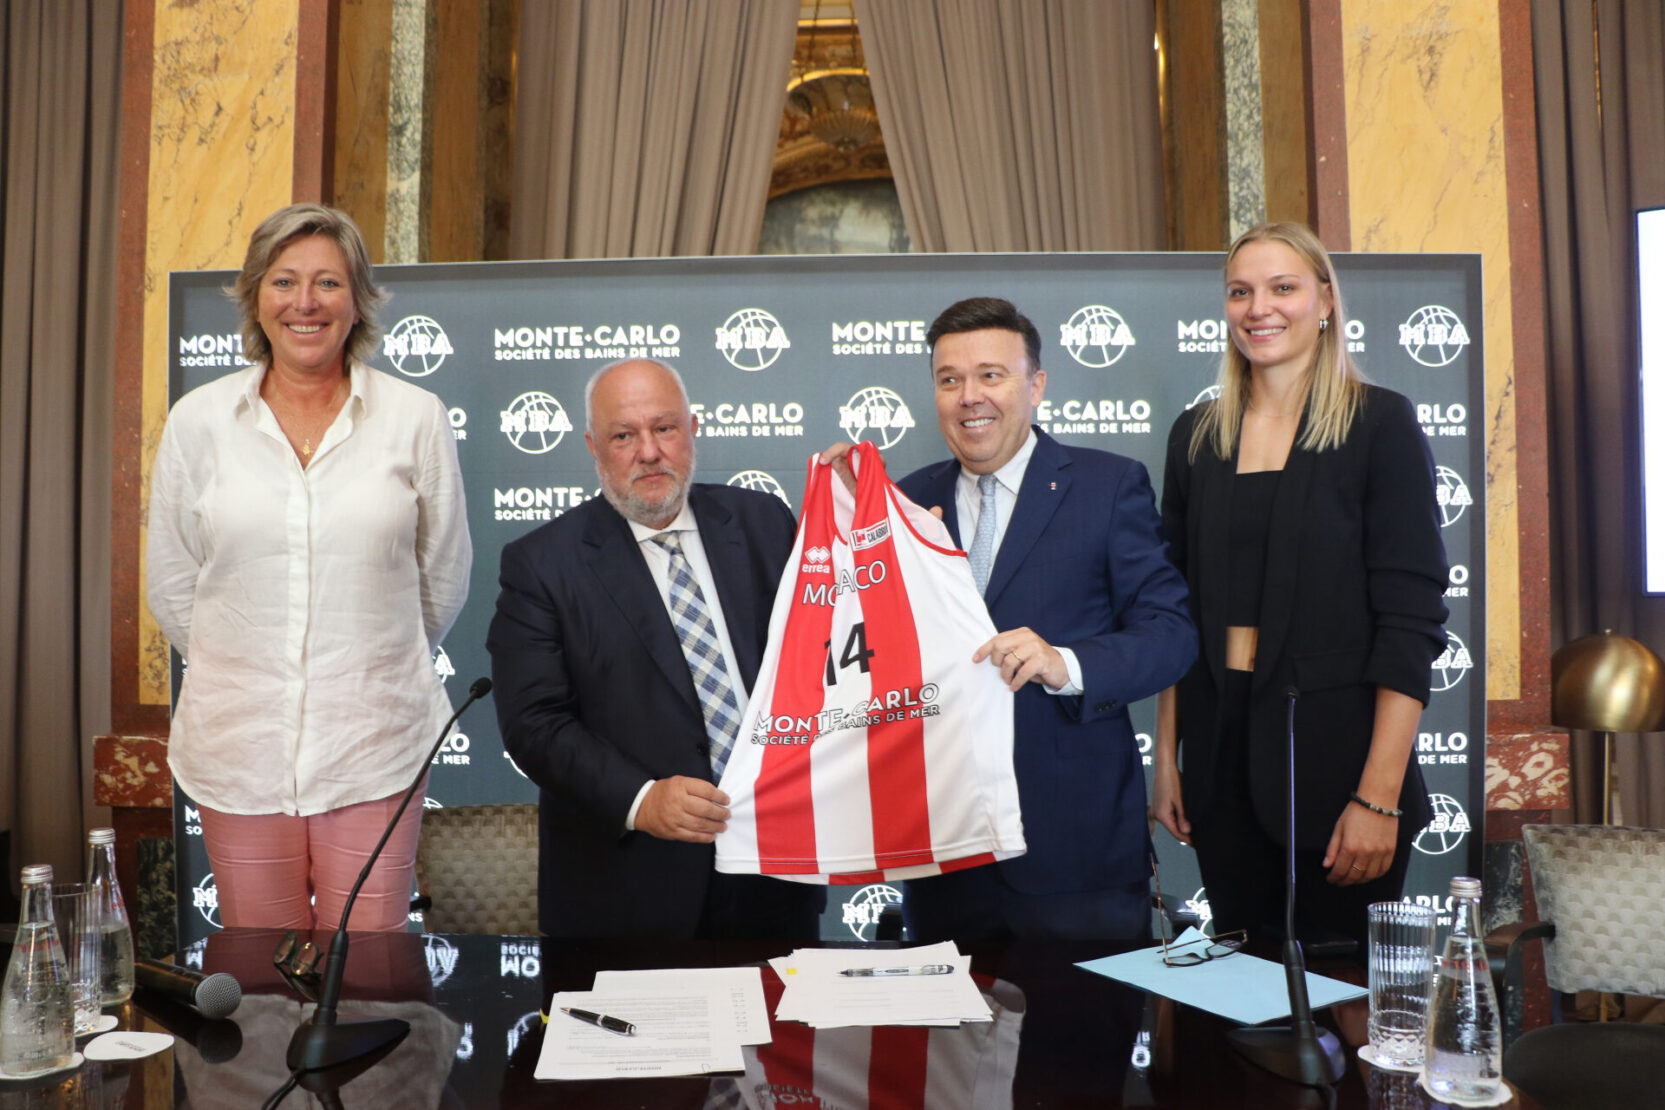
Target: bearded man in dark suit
628,632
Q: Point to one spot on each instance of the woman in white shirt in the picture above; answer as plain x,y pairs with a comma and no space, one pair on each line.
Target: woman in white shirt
307,551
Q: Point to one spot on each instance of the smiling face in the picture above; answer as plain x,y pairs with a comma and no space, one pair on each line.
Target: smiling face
306,306
1274,301
985,395
642,436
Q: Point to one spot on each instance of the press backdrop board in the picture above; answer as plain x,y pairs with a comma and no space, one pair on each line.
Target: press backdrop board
785,355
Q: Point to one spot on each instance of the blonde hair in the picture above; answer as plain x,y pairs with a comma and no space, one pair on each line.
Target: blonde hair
1332,387
277,231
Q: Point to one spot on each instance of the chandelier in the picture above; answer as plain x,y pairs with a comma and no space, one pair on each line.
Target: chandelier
836,105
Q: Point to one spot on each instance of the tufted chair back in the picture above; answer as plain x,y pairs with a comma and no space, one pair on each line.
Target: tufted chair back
479,865
1604,890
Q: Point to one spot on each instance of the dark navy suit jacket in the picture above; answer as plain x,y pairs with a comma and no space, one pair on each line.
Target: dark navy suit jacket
594,698
1083,564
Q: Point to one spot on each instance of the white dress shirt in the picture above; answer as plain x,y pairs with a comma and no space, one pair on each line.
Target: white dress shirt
306,602
659,566
968,503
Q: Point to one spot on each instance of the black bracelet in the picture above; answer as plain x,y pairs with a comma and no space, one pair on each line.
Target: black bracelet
1374,808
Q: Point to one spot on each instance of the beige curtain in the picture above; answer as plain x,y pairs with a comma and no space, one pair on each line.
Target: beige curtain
646,127
62,81
1600,74
1020,125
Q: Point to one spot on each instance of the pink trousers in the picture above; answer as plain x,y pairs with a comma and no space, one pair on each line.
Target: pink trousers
274,871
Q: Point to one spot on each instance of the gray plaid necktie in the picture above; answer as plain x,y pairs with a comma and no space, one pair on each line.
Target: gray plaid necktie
704,653
982,544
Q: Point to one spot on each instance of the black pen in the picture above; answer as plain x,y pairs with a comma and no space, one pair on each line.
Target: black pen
611,1024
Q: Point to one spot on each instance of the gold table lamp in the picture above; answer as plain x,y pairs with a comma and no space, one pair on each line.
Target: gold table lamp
1607,684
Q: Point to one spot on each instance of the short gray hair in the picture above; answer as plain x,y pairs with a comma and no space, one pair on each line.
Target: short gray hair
589,386
276,232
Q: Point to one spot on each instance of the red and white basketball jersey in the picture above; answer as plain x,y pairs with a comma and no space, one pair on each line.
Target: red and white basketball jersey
872,747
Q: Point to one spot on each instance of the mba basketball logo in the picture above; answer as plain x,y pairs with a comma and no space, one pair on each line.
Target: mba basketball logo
442,664
1198,904
1212,393
751,339
441,955
1452,493
416,346
521,1028
875,409
762,482
1096,336
431,802
1446,830
1433,335
862,911
205,896
1454,662
535,422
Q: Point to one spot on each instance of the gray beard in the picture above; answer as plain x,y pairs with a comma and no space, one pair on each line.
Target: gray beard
646,513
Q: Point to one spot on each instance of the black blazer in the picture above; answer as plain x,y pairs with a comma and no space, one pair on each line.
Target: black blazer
1352,599
594,698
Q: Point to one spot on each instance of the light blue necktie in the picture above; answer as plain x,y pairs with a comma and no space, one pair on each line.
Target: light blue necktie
982,544
704,653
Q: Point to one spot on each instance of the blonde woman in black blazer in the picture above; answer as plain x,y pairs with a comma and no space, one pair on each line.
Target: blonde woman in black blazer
1300,507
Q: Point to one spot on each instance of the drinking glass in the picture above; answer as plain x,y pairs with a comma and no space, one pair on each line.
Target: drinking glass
78,909
1401,981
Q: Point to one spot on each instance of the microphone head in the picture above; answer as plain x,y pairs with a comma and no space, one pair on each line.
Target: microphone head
218,995
1292,692
481,687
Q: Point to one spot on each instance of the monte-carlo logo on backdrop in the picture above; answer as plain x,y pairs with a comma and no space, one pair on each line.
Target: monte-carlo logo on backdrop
1433,335
878,410
535,422
416,346
1096,336
751,339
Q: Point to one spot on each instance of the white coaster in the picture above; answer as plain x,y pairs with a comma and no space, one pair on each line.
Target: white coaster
75,1061
1367,1053
1504,1094
104,1024
129,1044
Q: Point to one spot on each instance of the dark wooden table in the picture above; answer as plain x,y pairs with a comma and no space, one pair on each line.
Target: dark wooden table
1067,1038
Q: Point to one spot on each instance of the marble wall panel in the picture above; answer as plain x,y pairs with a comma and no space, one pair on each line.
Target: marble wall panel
1425,149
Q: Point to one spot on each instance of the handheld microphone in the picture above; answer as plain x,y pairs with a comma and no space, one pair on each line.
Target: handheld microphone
216,1040
213,996
322,1043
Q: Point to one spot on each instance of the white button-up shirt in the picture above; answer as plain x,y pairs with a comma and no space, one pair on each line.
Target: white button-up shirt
307,602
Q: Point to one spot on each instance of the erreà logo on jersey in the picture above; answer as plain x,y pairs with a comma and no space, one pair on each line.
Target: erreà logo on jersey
761,481
863,538
751,339
1433,335
1096,336
416,346
534,422
816,561
205,896
875,409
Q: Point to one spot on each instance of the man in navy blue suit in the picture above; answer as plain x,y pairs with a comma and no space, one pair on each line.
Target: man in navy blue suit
1092,617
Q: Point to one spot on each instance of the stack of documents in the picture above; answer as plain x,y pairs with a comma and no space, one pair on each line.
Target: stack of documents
687,1021
827,988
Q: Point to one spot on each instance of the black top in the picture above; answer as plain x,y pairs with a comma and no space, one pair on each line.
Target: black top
1251,523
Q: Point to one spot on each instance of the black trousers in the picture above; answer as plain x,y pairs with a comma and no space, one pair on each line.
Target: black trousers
1243,863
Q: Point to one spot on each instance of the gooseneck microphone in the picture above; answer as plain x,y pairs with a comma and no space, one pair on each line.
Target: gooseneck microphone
213,996
323,1043
1299,1052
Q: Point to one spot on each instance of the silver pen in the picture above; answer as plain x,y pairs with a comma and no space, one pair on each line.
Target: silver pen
875,972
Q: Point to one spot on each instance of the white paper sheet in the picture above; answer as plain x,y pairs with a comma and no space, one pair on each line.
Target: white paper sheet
818,995
676,1034
740,987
